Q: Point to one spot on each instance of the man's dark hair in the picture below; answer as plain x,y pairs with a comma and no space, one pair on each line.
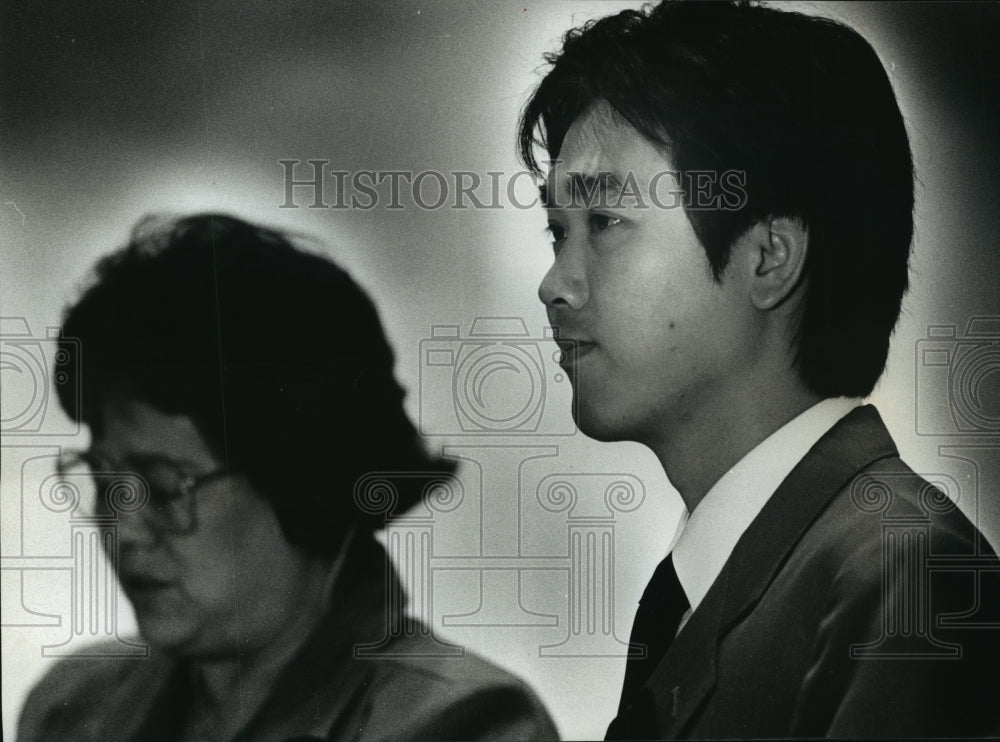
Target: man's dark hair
803,106
276,354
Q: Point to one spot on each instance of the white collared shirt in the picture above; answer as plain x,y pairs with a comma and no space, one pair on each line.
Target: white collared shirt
706,538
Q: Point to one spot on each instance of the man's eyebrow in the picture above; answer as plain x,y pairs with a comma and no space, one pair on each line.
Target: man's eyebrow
590,186
603,180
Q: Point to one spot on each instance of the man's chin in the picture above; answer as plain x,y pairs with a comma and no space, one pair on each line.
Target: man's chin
599,427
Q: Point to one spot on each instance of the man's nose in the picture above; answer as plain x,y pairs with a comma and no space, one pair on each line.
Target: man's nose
565,285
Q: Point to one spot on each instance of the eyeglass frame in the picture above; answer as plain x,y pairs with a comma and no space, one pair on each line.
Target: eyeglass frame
187,487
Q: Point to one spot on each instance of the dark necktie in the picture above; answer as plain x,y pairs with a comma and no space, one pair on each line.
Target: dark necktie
661,608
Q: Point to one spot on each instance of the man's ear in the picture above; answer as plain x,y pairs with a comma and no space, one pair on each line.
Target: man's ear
780,245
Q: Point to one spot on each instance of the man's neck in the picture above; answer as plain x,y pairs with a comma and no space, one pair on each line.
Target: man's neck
697,451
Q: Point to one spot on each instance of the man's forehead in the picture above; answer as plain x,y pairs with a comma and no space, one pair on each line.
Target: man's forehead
584,164
601,150
592,144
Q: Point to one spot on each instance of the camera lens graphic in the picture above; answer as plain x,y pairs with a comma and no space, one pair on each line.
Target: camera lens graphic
500,387
975,388
24,387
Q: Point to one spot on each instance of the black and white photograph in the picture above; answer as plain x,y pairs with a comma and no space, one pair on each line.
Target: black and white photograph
563,369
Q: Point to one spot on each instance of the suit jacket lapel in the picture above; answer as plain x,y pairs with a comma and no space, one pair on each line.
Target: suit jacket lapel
686,675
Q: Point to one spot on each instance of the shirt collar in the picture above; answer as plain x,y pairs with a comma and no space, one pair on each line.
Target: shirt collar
706,538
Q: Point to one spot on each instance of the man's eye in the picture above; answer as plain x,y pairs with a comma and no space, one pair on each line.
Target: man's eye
556,231
600,222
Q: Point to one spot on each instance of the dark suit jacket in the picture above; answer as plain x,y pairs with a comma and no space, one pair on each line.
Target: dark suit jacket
400,692
855,605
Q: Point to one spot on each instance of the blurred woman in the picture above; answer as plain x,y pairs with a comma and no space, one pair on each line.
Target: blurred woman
241,387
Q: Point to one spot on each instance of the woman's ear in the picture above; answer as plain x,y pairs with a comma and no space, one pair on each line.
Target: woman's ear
779,248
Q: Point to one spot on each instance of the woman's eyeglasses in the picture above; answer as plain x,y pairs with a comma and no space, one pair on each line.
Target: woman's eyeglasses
156,488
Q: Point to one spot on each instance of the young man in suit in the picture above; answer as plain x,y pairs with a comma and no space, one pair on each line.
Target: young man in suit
730,203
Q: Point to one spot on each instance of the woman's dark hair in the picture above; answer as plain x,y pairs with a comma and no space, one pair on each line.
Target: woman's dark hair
276,354
804,108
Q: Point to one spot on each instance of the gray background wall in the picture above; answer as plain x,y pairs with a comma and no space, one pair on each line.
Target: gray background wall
112,110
